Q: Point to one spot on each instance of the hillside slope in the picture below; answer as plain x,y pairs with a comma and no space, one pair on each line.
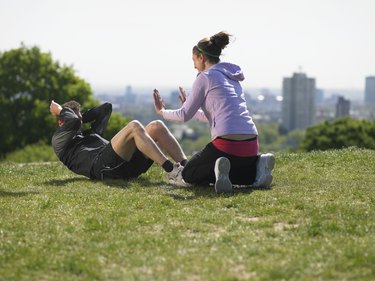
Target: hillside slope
317,222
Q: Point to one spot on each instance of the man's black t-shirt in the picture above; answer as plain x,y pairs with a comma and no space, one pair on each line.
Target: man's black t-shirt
78,150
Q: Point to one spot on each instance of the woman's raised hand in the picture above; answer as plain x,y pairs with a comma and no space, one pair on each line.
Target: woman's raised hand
158,102
182,95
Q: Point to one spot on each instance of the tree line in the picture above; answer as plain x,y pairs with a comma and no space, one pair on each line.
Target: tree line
30,79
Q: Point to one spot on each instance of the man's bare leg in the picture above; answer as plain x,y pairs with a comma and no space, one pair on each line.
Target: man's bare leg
134,136
161,134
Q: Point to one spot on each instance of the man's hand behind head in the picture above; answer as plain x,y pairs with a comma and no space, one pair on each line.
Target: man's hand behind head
55,108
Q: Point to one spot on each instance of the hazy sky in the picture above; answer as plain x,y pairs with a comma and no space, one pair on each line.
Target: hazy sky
149,43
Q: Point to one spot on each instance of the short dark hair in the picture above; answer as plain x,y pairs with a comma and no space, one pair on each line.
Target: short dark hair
74,105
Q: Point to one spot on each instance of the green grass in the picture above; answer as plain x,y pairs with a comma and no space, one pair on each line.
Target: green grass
36,152
317,222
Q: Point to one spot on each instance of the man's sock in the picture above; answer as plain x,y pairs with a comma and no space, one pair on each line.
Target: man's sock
183,162
167,166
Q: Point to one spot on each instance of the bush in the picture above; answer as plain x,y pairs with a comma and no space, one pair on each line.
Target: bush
341,133
38,152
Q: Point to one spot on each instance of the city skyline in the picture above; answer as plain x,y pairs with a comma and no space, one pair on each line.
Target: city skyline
352,94
118,43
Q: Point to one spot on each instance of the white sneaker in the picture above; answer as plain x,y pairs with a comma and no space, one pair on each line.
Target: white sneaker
175,176
223,183
265,165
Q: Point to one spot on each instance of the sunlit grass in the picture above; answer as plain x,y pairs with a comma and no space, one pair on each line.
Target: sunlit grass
317,222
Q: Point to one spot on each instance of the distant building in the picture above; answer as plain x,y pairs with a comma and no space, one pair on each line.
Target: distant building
130,98
174,98
319,96
298,106
370,90
342,107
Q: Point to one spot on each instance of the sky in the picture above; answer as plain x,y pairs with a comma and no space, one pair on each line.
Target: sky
114,43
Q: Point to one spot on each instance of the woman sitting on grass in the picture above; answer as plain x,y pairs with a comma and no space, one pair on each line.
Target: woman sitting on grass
217,98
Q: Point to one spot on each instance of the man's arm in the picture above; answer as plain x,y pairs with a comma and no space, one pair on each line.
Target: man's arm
99,115
69,125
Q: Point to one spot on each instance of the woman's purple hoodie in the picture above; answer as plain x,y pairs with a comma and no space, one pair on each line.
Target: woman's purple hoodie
218,93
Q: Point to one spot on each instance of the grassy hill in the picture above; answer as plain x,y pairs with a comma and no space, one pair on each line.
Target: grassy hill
317,222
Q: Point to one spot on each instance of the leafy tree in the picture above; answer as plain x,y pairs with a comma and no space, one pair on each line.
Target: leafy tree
340,133
29,80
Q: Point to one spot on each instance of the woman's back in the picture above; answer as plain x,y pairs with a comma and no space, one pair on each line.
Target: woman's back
224,104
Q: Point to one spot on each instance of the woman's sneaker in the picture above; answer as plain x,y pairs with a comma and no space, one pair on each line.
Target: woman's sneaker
223,183
265,165
175,176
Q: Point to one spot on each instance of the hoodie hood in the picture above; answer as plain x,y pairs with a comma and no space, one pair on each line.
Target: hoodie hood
230,70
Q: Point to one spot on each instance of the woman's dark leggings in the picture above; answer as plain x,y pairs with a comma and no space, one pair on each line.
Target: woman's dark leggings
200,168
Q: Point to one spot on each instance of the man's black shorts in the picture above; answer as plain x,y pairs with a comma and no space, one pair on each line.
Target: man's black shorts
110,165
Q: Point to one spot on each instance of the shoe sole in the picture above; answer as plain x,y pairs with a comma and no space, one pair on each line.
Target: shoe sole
223,183
270,163
266,180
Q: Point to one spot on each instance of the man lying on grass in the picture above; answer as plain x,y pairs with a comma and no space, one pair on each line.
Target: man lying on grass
128,154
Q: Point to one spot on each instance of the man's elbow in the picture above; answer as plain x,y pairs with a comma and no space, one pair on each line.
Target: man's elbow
108,106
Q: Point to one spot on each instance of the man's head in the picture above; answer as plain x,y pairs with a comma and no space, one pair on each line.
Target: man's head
75,106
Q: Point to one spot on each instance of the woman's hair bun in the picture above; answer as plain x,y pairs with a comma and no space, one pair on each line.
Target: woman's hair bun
220,39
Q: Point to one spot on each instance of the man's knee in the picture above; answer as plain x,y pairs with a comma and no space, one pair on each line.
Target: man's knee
135,126
156,126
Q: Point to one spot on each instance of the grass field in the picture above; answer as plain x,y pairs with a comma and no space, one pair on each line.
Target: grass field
317,222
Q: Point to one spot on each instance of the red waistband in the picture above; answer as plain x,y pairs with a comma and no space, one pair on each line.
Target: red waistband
245,148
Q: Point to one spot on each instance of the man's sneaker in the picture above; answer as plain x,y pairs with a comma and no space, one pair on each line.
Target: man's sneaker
265,165
175,176
222,168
